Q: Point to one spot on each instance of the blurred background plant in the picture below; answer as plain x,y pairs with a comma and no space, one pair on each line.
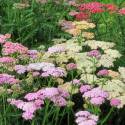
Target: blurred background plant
32,21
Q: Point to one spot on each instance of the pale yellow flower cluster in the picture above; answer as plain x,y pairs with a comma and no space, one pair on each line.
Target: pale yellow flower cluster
79,28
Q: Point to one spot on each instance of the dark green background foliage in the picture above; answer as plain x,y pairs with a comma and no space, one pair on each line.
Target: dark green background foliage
34,24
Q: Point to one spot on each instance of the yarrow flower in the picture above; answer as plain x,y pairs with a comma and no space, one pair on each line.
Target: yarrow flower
11,48
56,95
55,72
86,118
94,53
40,66
7,60
36,101
66,25
103,72
47,69
122,11
8,79
115,102
71,66
85,88
93,7
56,49
2,39
28,108
76,82
20,69
81,16
33,53
96,96
111,7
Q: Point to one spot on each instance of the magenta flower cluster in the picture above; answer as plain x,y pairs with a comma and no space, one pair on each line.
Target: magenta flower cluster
8,79
115,102
86,118
35,101
96,96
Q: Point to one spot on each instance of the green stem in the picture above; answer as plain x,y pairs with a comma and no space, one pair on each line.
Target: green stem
45,115
108,115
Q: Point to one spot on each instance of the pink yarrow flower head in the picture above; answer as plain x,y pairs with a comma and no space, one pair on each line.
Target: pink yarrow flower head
115,102
85,88
58,96
11,48
54,72
103,72
33,54
71,66
86,118
122,11
8,79
28,108
94,53
6,60
2,39
76,82
96,96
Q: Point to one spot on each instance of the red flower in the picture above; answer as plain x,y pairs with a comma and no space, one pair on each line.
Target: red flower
93,7
122,11
82,16
111,7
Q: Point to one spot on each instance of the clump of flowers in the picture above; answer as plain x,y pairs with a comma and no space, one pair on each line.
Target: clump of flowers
11,48
94,53
33,54
103,72
20,69
77,28
115,102
36,101
6,60
8,79
96,96
3,38
71,66
122,11
56,49
86,118
28,108
47,69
